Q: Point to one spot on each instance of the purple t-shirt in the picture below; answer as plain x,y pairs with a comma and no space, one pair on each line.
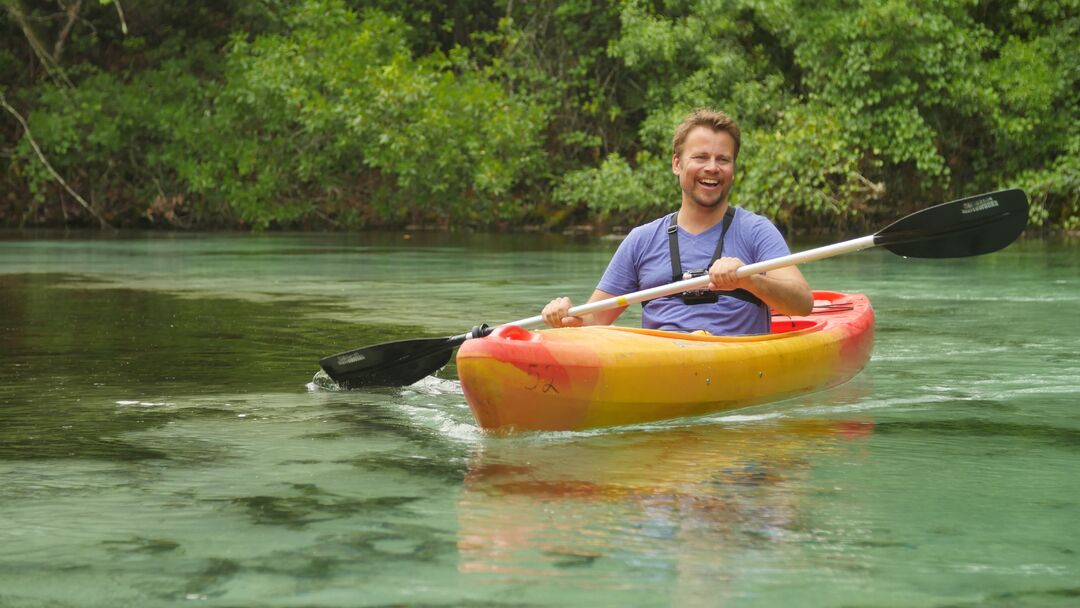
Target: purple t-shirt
643,261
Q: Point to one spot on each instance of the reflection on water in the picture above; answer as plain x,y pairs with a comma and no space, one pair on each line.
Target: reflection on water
683,505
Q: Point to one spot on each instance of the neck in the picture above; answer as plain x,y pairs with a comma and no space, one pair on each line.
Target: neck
695,218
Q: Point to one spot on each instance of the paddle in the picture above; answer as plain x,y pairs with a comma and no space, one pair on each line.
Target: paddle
966,227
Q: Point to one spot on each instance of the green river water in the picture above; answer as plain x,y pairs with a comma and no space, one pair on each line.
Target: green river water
162,441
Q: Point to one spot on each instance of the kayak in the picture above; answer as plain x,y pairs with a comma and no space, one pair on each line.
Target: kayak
571,379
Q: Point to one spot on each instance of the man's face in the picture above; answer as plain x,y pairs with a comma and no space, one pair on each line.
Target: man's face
706,167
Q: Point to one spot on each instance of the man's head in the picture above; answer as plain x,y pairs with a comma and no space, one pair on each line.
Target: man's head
705,117
704,150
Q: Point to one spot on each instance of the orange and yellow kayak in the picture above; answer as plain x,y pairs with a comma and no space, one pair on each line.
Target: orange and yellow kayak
587,377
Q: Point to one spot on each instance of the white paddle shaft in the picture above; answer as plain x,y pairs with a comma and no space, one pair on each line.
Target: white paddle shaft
702,282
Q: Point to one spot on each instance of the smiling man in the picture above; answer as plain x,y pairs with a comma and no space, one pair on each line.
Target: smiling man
706,234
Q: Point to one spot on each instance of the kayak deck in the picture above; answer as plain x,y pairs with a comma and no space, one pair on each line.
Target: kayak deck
580,378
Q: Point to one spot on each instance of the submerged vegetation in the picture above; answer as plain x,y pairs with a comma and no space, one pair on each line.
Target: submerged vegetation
354,114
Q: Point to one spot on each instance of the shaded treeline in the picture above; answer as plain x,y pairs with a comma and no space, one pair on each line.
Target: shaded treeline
330,113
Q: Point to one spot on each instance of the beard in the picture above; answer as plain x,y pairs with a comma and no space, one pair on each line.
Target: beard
711,202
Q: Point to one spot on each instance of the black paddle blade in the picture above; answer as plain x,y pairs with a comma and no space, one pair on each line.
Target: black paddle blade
965,227
398,363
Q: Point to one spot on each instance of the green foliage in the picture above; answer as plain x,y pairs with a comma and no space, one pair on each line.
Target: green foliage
338,111
903,66
554,53
807,166
116,140
1035,117
1055,190
615,188
849,105
369,111
333,112
799,158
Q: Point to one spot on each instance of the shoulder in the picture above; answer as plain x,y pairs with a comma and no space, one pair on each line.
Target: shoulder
757,226
647,233
748,218
659,224
759,237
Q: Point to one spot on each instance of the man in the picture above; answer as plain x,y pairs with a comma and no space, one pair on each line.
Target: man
702,234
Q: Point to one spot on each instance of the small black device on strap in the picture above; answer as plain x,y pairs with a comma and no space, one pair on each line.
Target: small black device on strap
703,296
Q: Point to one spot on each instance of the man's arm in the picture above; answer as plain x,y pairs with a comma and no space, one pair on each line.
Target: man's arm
785,290
555,313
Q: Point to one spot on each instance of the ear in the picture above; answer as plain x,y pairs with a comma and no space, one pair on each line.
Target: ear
675,166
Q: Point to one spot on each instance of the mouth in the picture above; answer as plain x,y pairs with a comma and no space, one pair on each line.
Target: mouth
709,183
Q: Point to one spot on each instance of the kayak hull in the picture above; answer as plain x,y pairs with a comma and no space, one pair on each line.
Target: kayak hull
580,378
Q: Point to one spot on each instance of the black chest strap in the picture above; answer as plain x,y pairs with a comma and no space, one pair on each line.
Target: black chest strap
676,261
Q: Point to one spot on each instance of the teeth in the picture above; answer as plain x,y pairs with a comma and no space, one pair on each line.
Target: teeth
710,182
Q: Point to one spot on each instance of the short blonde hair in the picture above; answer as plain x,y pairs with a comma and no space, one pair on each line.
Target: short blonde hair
705,117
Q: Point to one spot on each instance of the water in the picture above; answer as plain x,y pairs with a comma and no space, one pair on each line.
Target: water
162,441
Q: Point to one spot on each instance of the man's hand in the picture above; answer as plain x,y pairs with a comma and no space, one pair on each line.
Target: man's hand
556,314
782,289
722,275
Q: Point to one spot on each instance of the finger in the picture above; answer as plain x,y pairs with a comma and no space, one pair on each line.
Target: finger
549,315
555,310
